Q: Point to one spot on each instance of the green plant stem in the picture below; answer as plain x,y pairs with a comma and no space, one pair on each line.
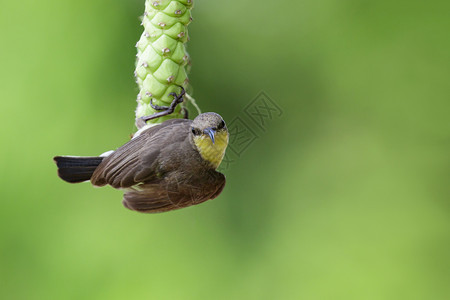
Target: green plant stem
161,55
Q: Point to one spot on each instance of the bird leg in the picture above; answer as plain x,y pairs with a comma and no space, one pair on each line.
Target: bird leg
165,110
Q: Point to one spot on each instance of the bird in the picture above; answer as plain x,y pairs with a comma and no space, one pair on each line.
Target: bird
165,167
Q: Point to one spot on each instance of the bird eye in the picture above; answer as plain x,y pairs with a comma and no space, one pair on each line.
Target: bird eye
221,125
195,131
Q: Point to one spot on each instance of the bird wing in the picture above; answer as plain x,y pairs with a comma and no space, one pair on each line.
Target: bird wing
135,161
151,199
166,196
220,186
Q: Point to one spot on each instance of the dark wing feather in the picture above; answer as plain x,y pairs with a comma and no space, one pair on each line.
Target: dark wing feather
134,162
151,200
221,184
166,196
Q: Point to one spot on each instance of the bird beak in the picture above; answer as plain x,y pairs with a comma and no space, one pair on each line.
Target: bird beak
210,132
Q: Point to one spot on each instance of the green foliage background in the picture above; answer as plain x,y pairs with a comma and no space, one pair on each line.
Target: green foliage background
343,197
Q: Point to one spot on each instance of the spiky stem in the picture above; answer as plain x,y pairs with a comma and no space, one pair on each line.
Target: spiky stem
161,55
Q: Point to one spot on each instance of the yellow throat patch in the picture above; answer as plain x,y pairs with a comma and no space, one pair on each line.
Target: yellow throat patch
213,153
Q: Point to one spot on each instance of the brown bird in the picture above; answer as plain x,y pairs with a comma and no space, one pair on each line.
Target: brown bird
168,166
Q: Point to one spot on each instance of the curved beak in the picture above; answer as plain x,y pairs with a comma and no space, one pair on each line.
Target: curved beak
210,132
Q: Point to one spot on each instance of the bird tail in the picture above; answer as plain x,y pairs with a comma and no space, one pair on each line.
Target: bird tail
75,169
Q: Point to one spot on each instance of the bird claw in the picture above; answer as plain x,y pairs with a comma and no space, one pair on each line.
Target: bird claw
164,110
157,107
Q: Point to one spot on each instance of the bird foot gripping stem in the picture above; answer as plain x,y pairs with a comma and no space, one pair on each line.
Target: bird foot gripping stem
164,110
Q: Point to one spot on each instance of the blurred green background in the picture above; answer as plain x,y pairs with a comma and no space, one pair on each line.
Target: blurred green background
345,196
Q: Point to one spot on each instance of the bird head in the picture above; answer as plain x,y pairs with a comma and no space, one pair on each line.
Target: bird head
210,136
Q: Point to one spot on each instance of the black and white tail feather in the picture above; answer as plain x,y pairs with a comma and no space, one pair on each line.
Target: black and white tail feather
76,169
